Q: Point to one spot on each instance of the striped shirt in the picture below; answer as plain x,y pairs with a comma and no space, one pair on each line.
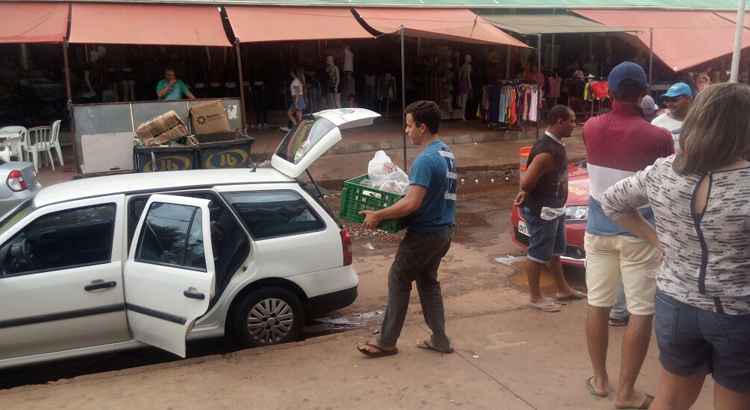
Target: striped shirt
619,144
706,258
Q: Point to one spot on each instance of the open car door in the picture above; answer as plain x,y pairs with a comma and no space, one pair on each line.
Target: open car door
169,275
314,136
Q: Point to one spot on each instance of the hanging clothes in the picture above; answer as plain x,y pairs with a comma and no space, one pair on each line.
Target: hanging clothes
511,102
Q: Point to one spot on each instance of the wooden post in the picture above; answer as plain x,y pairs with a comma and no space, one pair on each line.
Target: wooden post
243,113
69,105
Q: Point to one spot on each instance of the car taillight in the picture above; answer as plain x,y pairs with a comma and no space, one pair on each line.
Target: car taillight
346,246
16,182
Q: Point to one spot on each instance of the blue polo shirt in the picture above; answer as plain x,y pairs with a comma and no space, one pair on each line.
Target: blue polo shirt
435,170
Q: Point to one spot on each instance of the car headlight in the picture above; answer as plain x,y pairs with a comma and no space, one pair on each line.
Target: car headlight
576,213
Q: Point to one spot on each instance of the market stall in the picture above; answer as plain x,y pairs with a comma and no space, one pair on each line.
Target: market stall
195,134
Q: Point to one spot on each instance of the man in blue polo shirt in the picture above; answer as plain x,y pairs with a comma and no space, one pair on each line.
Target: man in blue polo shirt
428,210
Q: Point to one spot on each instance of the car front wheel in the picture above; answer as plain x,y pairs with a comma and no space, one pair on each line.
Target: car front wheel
268,316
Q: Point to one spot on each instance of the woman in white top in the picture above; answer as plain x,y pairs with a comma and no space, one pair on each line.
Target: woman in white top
297,89
701,200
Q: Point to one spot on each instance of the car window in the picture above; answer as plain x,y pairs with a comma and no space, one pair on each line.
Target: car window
303,137
172,235
269,214
60,240
229,242
16,215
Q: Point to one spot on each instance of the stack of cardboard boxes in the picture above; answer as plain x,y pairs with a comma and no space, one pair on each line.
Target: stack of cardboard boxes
206,118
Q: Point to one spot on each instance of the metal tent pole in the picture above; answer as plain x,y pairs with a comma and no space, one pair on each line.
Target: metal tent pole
734,76
403,96
69,95
508,56
651,55
539,52
243,112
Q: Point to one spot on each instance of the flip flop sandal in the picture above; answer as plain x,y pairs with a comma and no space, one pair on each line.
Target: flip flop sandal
592,389
645,404
569,298
548,307
379,351
427,345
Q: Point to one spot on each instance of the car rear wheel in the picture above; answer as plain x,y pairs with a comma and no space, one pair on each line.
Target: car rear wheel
268,316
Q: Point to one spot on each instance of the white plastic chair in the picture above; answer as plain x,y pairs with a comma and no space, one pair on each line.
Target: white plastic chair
55,141
14,137
38,140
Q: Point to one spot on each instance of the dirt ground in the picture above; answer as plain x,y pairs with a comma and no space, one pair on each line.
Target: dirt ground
507,357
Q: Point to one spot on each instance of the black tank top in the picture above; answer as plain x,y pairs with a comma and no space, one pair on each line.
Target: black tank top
552,188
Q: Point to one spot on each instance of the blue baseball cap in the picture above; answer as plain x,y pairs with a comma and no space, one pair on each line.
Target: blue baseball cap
626,71
678,90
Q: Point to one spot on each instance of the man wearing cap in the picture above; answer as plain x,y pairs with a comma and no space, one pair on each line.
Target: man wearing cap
619,144
677,100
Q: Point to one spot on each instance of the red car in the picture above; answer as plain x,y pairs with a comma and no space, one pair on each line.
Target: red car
576,213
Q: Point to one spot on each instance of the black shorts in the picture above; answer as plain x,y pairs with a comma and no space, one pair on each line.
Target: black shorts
693,341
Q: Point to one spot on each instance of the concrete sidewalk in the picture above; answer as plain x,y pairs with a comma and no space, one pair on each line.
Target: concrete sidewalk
520,359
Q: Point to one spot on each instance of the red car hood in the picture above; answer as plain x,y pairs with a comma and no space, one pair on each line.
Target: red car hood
578,186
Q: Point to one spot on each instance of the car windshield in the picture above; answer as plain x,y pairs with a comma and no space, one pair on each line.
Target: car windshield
12,217
302,138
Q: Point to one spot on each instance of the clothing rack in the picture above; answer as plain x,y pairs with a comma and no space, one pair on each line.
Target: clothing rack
510,104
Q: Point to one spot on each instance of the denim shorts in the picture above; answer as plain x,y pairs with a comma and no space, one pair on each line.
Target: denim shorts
547,238
693,341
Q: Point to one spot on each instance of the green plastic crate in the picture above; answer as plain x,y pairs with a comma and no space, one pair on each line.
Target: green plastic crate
355,198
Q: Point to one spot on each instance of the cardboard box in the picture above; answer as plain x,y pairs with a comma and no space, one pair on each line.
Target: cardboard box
159,125
166,136
209,118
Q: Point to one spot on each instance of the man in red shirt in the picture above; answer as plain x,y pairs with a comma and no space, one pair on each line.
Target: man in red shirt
619,144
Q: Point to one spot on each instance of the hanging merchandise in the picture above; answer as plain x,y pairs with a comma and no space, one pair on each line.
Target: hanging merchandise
511,102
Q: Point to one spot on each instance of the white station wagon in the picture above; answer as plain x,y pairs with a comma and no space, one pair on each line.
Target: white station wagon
111,263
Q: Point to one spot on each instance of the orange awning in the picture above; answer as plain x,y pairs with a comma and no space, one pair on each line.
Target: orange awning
682,39
262,24
147,24
450,24
33,22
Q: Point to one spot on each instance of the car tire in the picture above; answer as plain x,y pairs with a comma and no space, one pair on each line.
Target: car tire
267,316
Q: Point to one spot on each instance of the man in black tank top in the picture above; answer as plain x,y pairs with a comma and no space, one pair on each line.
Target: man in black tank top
544,191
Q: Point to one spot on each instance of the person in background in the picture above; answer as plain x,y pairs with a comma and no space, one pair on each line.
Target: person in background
619,316
535,75
430,209
700,199
544,191
297,91
649,108
702,81
619,144
677,100
172,89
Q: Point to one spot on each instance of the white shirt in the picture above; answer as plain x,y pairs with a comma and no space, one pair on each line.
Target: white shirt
669,123
296,88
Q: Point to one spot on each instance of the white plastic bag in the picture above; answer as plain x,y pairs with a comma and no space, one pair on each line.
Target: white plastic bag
387,176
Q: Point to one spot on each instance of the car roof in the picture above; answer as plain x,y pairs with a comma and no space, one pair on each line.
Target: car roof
154,181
